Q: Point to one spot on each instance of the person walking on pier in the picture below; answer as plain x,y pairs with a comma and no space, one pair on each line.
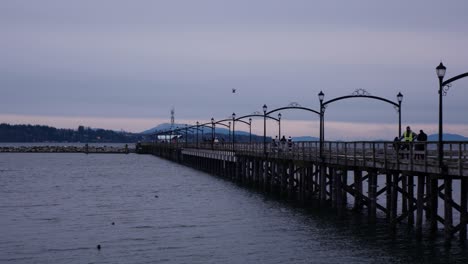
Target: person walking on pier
274,144
290,144
422,137
408,137
283,143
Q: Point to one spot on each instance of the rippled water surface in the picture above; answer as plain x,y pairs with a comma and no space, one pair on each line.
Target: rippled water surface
56,208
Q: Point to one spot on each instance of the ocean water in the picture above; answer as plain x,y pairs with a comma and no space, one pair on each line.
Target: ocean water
57,208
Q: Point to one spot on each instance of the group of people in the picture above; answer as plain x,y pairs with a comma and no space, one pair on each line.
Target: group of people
409,136
280,144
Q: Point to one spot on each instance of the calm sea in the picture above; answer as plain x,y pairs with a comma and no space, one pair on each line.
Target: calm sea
56,208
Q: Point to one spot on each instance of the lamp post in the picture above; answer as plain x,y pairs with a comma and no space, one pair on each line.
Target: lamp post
279,126
203,135
265,108
400,99
440,70
321,96
233,131
186,134
229,127
212,132
250,130
197,133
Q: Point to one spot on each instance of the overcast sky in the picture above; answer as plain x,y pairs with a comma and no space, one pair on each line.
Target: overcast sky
125,64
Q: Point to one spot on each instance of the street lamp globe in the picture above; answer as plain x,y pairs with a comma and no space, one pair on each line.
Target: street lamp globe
265,108
233,115
440,70
321,95
212,120
399,97
279,115
250,120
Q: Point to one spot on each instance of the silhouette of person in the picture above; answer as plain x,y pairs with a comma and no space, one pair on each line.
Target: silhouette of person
408,136
422,137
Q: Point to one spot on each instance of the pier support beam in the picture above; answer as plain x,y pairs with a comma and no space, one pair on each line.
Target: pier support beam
358,190
448,221
394,203
434,195
410,200
291,183
463,208
372,185
388,195
339,191
404,196
420,205
323,184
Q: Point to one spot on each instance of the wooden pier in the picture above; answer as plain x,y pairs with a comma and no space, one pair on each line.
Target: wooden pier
404,187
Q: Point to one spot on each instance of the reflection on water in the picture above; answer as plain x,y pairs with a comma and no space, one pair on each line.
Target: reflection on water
56,208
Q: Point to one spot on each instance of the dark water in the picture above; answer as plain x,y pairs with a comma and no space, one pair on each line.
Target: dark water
56,208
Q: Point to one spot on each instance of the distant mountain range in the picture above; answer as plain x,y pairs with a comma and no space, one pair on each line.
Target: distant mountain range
447,137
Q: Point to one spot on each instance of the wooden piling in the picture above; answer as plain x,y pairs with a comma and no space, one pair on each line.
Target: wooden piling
372,186
323,183
339,192
448,217
420,204
291,181
404,197
410,189
463,208
388,195
394,203
433,204
357,190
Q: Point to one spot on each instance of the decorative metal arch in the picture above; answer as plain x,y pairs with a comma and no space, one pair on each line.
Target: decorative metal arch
224,120
448,83
359,93
293,106
256,115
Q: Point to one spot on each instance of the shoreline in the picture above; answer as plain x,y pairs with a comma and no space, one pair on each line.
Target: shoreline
68,149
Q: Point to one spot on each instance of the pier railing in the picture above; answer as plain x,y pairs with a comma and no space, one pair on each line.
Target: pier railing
414,156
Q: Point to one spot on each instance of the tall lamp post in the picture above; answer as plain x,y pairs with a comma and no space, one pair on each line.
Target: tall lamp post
400,99
265,108
250,130
212,132
186,134
440,70
321,96
197,133
233,131
279,126
229,128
